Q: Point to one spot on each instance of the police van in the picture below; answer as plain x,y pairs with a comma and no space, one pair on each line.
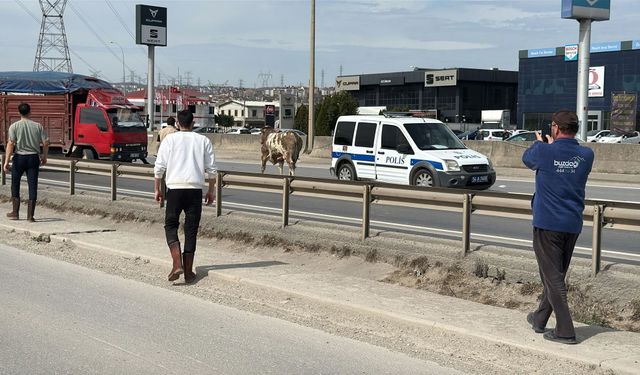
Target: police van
406,150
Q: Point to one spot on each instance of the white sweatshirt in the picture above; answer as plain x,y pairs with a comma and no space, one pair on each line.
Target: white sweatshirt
185,156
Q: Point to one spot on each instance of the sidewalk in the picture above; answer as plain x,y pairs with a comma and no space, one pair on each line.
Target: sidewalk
601,348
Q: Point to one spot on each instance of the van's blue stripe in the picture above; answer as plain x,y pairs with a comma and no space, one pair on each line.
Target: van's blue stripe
437,165
354,157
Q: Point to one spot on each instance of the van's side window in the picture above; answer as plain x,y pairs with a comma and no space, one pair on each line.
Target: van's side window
365,134
91,115
392,137
344,133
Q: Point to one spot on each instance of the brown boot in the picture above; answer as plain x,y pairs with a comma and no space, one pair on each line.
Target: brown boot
189,275
31,208
15,214
177,270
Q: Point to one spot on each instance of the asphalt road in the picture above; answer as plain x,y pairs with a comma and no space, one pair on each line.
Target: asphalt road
62,318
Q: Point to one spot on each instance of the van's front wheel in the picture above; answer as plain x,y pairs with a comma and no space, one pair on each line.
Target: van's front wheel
346,172
423,177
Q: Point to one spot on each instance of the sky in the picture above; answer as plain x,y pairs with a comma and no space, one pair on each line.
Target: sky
268,41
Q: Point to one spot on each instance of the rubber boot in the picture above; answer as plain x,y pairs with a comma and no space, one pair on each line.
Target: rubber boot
31,208
15,214
189,275
177,270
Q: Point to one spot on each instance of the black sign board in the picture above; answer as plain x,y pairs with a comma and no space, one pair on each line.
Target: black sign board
623,112
151,25
269,115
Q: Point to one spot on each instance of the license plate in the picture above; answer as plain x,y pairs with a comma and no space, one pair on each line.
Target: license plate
134,155
479,179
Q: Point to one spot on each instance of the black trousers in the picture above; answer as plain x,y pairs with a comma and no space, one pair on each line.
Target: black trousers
189,201
553,252
21,164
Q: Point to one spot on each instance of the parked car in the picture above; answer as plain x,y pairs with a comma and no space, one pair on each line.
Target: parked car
493,134
207,129
594,135
238,131
632,137
298,132
528,136
255,131
468,135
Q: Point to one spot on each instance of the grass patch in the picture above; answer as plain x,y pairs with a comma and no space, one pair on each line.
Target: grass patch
341,252
240,236
635,310
272,241
501,275
529,288
481,268
372,256
42,238
420,265
512,304
587,309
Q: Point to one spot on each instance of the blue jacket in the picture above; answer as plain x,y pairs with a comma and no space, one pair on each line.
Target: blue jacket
561,169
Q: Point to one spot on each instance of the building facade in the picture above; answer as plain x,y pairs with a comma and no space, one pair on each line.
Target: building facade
548,81
247,113
457,94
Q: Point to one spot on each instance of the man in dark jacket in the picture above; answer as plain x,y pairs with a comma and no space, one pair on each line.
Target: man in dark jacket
562,167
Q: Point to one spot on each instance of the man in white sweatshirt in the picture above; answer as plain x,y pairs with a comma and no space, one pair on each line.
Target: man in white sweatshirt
185,157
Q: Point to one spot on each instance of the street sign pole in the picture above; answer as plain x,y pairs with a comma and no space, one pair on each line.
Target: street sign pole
582,103
151,103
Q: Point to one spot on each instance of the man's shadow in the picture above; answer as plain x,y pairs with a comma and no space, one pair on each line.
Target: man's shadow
203,271
587,332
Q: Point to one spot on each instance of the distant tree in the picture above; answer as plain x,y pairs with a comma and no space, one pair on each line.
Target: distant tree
332,107
301,121
226,121
399,109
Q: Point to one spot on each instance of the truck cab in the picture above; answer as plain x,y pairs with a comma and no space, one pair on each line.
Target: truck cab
406,150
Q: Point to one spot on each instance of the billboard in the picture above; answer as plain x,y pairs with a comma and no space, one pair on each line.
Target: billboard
348,83
597,10
269,115
571,52
596,81
441,78
623,112
151,25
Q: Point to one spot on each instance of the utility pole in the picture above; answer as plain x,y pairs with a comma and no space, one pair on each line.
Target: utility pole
124,77
312,79
53,51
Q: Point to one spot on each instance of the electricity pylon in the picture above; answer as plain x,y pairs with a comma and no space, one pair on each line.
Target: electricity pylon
53,50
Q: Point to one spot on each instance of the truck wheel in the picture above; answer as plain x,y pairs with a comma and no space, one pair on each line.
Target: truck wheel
346,172
423,177
87,153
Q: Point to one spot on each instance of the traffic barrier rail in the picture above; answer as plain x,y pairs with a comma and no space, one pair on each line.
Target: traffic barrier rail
598,213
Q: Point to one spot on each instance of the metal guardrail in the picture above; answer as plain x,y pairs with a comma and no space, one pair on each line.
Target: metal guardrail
598,213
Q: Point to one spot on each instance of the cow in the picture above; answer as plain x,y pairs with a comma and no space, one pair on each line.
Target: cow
280,147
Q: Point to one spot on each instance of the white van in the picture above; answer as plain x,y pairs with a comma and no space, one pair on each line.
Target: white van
406,150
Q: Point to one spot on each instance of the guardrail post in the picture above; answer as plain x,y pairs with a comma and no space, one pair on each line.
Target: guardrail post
466,224
72,177
286,187
366,205
218,194
114,181
3,176
596,248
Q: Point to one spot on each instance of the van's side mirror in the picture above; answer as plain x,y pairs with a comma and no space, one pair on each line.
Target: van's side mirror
404,149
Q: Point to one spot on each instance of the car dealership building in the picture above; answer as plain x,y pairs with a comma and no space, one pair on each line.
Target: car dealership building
458,94
548,81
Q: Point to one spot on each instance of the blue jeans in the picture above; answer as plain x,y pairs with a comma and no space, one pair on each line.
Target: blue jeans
21,164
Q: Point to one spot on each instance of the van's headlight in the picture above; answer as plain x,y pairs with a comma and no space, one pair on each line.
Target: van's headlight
452,165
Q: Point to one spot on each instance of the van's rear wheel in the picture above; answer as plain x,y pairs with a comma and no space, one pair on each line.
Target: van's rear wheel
423,177
346,172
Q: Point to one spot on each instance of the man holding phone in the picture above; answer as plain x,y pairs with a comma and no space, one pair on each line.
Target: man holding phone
562,167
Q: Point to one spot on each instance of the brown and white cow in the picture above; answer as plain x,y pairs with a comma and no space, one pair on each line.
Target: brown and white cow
280,147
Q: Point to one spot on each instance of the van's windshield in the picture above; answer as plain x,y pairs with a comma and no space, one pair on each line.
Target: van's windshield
433,136
127,118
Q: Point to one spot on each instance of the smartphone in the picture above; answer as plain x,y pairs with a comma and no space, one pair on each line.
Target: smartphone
544,131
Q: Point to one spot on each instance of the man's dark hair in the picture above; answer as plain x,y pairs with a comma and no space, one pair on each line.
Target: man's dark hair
171,121
185,119
24,109
566,120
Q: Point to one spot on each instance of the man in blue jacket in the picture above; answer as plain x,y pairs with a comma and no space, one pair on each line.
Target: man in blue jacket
562,167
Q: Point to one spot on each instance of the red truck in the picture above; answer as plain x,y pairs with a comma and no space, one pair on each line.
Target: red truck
84,116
